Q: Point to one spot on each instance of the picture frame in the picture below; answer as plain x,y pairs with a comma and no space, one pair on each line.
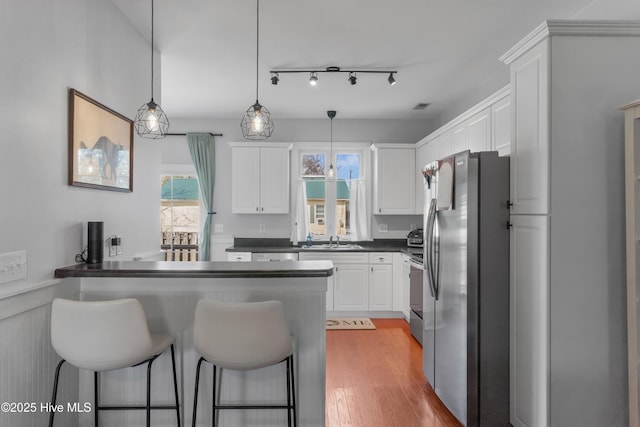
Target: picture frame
100,145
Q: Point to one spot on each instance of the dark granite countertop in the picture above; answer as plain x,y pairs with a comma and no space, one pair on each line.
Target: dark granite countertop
284,245
198,269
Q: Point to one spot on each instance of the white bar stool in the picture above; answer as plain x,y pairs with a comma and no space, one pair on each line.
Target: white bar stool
243,336
106,335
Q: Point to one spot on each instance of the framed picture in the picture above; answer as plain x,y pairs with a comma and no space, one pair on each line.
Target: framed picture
100,145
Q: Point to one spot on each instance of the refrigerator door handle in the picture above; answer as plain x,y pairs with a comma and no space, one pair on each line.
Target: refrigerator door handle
429,247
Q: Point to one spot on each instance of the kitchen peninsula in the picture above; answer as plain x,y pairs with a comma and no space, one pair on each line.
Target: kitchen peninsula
169,292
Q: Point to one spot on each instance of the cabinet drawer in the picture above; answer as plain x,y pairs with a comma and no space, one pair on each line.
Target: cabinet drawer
239,256
337,258
380,258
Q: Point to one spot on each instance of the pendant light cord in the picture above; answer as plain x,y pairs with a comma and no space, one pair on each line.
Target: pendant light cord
152,50
257,43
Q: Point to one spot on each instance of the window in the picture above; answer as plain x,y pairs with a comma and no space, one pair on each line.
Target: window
179,217
328,200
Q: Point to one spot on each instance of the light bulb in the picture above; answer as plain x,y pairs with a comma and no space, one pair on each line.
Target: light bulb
332,172
151,120
257,124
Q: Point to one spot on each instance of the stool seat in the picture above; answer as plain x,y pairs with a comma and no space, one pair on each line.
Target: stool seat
107,335
243,336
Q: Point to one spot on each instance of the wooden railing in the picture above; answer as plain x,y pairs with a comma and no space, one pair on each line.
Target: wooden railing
182,246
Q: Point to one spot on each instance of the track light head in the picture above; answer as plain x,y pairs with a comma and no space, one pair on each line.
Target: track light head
313,80
331,114
391,80
275,79
352,78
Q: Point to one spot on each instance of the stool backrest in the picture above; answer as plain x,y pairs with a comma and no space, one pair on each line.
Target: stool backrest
100,335
242,336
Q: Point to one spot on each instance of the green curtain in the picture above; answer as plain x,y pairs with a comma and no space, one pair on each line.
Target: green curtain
203,155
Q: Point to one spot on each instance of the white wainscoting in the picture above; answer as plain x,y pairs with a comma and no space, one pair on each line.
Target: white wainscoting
27,360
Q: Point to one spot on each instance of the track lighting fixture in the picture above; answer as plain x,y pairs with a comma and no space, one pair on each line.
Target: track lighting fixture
313,74
313,80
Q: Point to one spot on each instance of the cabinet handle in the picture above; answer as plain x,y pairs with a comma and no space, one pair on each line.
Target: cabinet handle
379,210
257,210
509,225
262,209
509,204
372,269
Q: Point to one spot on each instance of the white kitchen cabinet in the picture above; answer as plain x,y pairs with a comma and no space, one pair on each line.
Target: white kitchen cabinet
381,281
478,132
394,179
501,127
632,196
529,331
351,287
423,156
568,307
530,133
239,256
260,179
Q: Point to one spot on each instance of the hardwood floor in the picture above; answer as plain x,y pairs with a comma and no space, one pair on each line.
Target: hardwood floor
375,379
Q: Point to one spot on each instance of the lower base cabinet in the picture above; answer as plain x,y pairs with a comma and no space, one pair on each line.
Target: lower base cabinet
351,287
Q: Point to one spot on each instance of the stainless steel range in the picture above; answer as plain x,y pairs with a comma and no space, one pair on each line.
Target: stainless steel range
415,295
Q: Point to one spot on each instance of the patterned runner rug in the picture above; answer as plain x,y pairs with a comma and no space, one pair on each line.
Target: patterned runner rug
349,323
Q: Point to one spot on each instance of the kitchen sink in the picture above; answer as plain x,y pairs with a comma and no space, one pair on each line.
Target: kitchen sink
334,247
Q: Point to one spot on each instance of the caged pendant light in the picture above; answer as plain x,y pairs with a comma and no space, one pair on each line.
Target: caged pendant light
151,122
256,123
331,173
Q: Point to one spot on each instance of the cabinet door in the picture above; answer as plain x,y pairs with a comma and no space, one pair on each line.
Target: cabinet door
529,321
351,287
422,158
501,127
395,181
274,180
530,133
478,131
381,287
245,178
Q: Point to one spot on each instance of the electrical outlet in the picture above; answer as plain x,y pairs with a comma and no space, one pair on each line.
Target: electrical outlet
262,228
112,250
383,228
113,246
119,245
13,266
218,228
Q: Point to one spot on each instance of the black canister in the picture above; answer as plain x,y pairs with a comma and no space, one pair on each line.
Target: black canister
95,242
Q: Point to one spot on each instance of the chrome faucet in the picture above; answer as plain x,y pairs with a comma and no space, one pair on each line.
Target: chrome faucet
331,241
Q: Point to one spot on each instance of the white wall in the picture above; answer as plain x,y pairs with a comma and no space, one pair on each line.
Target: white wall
175,151
46,47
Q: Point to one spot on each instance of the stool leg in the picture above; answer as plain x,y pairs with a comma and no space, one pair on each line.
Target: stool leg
213,394
149,390
55,391
195,394
175,384
96,386
293,392
288,392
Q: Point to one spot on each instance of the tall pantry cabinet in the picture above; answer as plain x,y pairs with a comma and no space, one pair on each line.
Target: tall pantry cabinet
568,322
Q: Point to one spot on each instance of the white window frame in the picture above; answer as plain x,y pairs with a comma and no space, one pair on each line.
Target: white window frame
301,148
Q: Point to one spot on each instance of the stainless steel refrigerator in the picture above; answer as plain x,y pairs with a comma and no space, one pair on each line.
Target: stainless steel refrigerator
466,286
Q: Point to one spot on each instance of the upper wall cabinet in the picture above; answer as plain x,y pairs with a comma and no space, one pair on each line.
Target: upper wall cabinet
530,133
484,127
260,179
394,171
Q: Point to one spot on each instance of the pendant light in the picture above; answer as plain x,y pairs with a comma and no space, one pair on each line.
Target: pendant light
151,122
331,173
256,122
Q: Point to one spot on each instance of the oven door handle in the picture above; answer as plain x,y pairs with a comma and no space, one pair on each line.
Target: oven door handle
415,264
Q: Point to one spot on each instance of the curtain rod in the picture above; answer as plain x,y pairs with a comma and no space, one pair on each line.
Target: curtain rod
184,134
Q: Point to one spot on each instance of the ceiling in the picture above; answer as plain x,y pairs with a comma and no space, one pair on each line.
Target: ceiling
443,50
